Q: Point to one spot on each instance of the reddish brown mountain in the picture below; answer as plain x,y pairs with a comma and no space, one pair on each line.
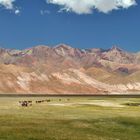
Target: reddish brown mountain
65,70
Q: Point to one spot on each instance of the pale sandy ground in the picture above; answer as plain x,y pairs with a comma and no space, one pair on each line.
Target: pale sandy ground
102,103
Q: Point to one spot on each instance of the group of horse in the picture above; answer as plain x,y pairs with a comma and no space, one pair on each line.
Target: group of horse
30,103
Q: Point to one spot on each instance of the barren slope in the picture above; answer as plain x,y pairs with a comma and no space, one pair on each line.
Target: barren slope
66,70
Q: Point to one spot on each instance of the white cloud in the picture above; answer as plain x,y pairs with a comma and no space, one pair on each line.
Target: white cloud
8,4
17,11
87,6
43,12
79,6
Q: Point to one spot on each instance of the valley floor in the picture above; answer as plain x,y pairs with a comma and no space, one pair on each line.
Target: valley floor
70,118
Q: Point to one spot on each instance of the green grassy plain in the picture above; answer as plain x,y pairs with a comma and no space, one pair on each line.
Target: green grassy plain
79,118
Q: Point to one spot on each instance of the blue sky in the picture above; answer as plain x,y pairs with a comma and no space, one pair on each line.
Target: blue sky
28,23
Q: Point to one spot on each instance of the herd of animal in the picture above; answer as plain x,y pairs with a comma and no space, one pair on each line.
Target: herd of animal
30,103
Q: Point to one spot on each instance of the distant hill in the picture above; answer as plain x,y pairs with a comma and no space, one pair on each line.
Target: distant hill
65,70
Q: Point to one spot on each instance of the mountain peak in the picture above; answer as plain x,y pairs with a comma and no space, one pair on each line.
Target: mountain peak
96,50
115,48
64,46
40,47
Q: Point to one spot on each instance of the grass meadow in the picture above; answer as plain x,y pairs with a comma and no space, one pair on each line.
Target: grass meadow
70,118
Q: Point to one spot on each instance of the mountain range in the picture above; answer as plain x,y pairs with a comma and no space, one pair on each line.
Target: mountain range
63,69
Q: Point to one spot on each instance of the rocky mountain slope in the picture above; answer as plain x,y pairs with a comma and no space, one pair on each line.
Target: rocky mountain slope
65,70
